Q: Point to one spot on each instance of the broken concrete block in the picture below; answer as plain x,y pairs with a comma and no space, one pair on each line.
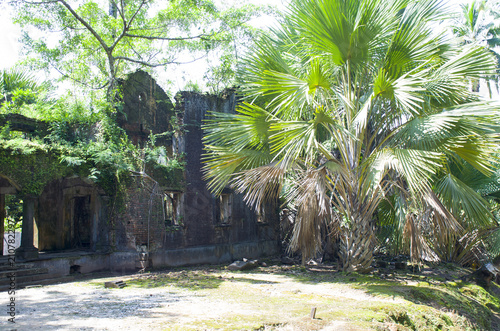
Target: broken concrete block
287,260
243,265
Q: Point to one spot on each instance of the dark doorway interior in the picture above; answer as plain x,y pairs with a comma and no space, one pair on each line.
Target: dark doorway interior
81,222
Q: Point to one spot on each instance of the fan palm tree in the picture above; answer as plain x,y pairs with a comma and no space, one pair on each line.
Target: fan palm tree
476,25
12,80
350,104
479,24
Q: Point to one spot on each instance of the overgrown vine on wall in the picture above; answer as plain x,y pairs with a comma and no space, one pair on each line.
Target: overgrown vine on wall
78,141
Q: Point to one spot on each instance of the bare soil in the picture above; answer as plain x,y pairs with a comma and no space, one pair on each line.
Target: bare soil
213,298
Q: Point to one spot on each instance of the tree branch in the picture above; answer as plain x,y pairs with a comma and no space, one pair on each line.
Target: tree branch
40,2
200,36
135,14
154,65
85,24
120,10
126,26
79,81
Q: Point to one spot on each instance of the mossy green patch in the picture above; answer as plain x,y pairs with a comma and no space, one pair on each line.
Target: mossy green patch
278,295
189,280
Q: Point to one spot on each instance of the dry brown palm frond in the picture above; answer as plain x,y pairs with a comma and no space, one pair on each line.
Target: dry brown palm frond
334,229
446,220
313,210
306,232
419,248
313,182
470,248
259,184
442,225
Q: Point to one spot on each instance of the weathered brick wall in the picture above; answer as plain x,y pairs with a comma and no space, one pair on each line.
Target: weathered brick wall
142,220
199,224
201,219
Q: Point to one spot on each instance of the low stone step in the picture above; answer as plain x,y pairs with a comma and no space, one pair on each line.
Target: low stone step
18,266
22,272
48,281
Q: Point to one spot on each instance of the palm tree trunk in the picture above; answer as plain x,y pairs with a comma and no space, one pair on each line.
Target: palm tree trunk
357,244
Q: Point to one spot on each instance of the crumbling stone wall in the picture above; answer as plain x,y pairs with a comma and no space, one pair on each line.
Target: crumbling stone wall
201,208
143,218
199,223
146,109
167,212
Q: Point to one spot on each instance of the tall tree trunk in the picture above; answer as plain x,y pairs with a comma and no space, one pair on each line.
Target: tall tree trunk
111,92
357,244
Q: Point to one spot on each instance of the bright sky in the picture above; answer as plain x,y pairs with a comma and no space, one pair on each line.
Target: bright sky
10,48
10,33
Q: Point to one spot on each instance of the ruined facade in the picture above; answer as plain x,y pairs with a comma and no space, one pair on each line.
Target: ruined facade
164,220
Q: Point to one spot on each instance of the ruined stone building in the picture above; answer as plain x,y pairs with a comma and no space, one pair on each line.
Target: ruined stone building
163,220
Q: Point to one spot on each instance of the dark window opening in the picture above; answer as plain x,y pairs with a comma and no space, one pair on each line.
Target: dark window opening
225,208
172,209
75,269
142,97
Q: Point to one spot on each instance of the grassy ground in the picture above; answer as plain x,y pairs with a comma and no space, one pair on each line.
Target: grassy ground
281,297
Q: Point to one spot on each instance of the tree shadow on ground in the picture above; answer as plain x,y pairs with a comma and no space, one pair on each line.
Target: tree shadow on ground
461,301
67,310
192,280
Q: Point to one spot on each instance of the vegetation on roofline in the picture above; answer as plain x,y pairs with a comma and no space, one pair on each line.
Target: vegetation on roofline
70,138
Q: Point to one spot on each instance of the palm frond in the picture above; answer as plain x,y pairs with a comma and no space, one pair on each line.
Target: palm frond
415,166
13,79
235,142
413,41
419,248
447,85
460,132
313,209
249,128
465,203
287,92
221,164
259,184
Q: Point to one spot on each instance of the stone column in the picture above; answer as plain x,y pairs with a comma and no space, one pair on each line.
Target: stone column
27,249
2,221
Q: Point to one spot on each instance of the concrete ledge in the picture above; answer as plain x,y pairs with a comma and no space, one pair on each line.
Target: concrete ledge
123,261
61,266
64,263
213,254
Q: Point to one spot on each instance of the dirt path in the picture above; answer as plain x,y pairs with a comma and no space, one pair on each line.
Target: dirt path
272,298
204,301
